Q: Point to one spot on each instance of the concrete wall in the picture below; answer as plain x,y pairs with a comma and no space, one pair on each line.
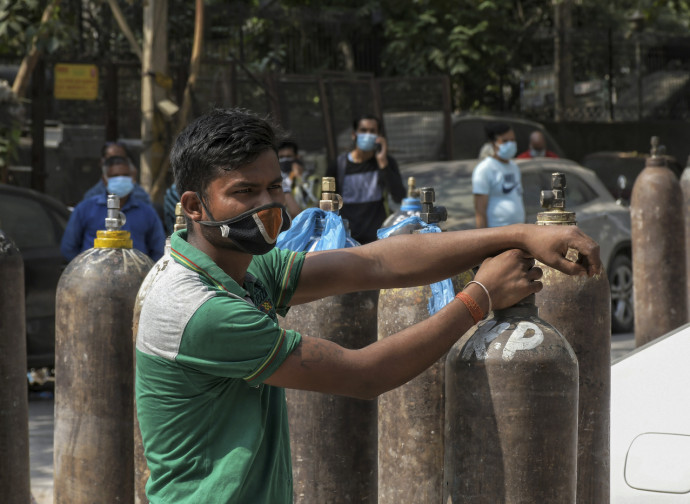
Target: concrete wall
580,139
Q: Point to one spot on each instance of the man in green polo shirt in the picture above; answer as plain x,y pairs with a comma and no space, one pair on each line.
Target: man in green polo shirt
212,361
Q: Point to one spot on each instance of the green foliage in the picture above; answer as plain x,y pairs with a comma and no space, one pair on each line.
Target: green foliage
20,26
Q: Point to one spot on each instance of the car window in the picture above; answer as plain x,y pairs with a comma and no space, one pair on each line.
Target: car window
532,186
577,192
27,222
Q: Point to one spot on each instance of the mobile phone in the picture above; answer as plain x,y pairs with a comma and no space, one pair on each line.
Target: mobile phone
378,148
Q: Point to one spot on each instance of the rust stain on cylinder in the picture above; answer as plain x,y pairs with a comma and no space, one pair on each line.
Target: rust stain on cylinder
93,441
333,438
14,405
658,253
411,417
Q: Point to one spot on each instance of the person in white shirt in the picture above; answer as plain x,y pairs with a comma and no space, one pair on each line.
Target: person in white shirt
496,182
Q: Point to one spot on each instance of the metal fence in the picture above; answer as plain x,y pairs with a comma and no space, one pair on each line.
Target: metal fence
617,77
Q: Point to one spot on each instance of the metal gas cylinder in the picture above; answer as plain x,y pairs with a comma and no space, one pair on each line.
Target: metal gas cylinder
581,309
410,206
14,405
93,459
141,470
658,250
511,412
411,417
685,189
333,438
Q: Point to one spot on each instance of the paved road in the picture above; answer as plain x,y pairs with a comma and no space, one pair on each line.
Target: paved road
41,430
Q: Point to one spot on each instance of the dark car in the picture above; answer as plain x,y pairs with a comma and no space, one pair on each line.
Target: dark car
610,165
35,222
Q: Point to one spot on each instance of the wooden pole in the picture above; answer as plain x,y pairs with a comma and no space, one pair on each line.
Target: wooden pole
154,60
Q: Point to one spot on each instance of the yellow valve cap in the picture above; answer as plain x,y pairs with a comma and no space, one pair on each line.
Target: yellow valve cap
113,239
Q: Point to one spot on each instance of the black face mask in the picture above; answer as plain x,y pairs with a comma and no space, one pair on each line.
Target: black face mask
285,165
254,231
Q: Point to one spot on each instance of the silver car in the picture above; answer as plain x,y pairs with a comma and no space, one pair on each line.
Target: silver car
597,212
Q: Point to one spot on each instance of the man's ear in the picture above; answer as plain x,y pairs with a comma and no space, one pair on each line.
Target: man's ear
191,205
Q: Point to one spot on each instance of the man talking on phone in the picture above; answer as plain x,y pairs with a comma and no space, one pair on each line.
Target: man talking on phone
364,176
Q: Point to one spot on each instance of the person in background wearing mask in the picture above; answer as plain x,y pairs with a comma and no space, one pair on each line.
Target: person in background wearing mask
364,176
537,147
89,215
496,182
292,169
109,150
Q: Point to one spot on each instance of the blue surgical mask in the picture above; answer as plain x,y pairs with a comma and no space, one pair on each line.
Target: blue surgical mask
507,150
120,186
366,141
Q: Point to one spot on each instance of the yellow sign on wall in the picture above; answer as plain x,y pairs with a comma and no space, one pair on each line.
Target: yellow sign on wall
76,82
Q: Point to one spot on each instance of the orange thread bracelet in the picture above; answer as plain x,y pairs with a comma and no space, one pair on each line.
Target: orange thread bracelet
471,305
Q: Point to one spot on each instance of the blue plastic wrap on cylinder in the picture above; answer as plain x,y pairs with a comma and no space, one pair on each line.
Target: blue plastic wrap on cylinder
511,412
315,240
14,406
333,438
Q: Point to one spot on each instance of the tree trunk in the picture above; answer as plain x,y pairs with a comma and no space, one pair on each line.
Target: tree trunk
155,60
29,62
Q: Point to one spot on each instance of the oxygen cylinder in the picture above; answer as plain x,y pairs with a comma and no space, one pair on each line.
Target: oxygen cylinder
685,188
93,459
141,470
333,438
658,250
411,417
511,412
410,206
562,303
330,202
14,406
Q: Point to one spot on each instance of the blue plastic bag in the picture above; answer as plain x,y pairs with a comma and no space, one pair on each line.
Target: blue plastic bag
442,292
304,233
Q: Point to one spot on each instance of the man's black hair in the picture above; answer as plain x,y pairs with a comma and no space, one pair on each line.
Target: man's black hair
105,146
221,140
372,117
496,128
289,144
116,160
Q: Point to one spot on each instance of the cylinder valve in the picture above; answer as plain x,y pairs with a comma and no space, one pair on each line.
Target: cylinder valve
553,203
431,214
330,201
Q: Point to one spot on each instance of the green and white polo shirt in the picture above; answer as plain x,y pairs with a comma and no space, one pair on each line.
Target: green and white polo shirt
212,430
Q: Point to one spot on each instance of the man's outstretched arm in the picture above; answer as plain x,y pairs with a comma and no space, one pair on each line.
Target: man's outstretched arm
323,366
419,259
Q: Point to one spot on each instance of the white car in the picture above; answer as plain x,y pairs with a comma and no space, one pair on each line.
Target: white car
650,423
597,212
